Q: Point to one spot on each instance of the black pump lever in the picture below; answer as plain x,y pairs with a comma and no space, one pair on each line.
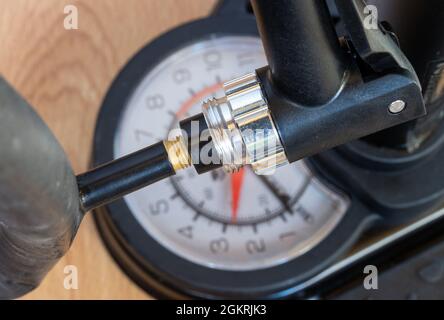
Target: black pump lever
374,44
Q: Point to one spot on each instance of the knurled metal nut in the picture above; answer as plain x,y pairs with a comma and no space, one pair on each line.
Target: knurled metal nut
253,136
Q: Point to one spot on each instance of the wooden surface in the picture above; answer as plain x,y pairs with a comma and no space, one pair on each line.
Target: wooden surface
65,74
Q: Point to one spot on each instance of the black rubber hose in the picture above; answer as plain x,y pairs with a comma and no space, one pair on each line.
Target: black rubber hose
140,169
123,176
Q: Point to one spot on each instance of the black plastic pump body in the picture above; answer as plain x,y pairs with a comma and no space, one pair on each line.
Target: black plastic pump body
323,94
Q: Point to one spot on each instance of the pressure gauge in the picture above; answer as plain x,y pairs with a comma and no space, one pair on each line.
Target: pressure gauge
214,235
226,221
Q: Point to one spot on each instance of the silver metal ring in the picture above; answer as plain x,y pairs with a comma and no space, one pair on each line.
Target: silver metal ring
242,128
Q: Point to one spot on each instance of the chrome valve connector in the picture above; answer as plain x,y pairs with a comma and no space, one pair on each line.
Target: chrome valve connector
242,128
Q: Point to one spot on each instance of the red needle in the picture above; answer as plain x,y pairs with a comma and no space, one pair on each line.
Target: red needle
237,180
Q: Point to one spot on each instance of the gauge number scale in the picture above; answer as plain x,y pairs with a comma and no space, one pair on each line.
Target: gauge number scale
224,221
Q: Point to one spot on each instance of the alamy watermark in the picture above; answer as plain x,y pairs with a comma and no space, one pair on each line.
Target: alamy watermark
371,278
204,151
371,20
71,280
71,21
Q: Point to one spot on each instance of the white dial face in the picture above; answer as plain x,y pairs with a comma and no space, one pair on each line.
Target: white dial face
228,222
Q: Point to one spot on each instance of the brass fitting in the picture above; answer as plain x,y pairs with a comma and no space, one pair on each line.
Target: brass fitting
178,154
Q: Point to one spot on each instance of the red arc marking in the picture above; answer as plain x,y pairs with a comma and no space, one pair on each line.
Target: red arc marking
197,98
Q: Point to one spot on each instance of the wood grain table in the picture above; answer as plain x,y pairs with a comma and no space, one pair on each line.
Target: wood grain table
65,74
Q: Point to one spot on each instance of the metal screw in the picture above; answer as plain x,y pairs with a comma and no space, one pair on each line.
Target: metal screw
397,106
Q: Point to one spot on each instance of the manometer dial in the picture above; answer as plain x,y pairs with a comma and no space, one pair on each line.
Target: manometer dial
227,221
208,235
